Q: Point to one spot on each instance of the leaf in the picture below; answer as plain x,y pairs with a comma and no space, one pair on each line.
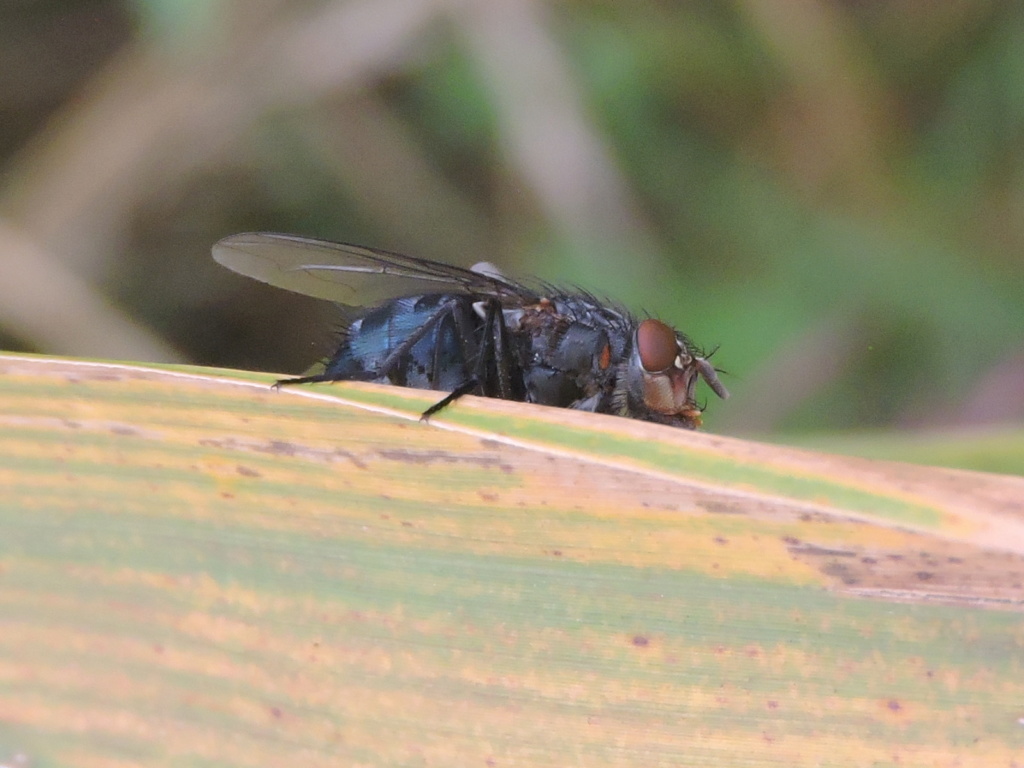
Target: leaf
195,568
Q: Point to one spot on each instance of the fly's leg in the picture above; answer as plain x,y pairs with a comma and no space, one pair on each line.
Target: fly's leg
493,344
464,332
323,377
391,361
463,389
443,327
503,358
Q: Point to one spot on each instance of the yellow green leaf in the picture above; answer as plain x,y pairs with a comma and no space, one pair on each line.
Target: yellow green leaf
197,569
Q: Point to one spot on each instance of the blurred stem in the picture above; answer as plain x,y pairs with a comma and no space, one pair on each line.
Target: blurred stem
550,140
79,320
372,152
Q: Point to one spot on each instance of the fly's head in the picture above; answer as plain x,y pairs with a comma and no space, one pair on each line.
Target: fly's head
659,380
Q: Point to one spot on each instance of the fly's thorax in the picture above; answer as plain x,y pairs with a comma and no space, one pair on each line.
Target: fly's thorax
531,318
567,357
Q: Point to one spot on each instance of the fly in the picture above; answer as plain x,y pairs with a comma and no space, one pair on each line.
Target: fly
419,323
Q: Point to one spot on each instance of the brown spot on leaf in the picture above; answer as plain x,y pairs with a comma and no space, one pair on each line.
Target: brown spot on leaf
282,448
840,571
434,456
722,507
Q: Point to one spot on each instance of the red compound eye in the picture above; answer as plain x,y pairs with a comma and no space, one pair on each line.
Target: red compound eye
656,344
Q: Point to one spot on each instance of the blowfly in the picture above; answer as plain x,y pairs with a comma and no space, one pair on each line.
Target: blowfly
418,323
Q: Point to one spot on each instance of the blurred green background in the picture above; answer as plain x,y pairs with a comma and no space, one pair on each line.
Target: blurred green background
833,192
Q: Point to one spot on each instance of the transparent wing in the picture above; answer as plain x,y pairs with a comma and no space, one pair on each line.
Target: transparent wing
351,274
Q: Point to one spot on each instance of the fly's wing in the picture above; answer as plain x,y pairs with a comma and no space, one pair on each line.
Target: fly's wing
351,274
